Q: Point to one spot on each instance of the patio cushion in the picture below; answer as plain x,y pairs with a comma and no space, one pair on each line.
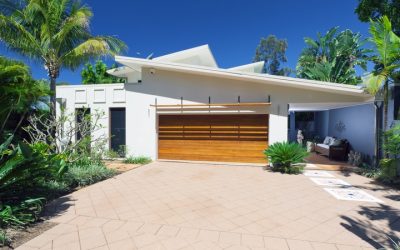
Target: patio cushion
327,140
322,145
338,143
332,141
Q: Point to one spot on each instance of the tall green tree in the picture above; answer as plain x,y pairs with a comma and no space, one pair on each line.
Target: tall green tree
386,58
272,51
98,74
374,9
55,33
333,57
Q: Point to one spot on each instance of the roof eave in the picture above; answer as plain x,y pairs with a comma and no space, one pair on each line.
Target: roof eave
275,80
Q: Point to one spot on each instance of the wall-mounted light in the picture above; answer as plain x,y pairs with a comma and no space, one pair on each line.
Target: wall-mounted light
340,126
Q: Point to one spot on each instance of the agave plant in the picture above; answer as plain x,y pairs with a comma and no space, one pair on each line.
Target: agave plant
333,57
284,156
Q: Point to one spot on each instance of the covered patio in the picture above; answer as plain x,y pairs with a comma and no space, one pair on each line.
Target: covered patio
351,123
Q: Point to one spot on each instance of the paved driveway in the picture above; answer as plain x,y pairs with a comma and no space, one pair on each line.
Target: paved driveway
167,205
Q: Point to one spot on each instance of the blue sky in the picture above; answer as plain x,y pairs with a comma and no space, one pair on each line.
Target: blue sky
231,28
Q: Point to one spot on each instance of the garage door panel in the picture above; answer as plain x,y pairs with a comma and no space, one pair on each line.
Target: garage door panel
230,138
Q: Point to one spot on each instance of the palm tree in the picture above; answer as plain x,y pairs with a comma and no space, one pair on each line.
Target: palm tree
55,33
386,59
333,57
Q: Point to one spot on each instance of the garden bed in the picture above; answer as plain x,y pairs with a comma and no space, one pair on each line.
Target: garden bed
120,166
19,237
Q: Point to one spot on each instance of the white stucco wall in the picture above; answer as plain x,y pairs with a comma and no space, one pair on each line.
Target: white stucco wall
168,87
99,98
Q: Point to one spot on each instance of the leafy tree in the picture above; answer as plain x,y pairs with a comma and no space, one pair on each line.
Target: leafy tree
98,74
272,51
386,59
55,33
374,9
18,93
333,57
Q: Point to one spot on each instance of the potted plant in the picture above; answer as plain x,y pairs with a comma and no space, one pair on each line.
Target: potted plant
286,157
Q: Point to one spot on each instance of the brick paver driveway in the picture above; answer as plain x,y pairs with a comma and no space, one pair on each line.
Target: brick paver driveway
167,205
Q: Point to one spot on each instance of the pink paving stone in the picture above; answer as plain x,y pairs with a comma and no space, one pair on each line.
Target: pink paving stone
208,206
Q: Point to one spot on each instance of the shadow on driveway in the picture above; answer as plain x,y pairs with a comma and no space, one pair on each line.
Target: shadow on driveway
376,225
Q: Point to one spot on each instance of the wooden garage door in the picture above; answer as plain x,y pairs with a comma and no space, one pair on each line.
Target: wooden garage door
228,138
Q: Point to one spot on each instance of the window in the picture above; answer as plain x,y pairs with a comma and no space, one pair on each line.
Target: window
304,119
82,123
117,130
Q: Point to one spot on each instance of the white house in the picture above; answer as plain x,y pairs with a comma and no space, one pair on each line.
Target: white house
183,106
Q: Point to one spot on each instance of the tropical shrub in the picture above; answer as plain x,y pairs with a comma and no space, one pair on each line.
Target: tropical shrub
22,214
137,160
79,176
370,171
18,94
333,57
390,166
392,141
4,240
25,165
286,157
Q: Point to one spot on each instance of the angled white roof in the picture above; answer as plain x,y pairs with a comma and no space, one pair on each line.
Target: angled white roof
200,56
256,67
200,61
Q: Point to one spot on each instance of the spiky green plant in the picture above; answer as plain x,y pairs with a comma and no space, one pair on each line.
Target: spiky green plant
284,156
55,33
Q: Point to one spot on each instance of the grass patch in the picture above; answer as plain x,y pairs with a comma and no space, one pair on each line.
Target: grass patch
137,160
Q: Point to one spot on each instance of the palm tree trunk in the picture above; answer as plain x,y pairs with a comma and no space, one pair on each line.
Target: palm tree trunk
53,72
53,100
385,112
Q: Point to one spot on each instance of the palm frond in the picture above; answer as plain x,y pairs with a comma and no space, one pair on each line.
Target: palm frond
18,38
92,48
373,83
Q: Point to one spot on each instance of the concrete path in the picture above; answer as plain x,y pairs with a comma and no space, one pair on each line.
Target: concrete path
169,205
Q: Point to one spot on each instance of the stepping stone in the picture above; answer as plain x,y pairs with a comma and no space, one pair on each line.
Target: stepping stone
317,173
351,195
331,182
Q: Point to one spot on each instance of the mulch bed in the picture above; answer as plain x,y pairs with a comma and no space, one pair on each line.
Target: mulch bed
19,237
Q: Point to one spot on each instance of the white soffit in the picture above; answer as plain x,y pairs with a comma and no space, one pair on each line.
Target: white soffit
323,106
